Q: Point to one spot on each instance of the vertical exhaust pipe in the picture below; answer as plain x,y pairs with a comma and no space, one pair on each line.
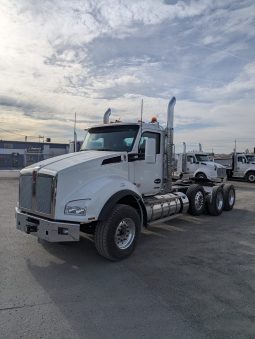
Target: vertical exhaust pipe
107,116
184,148
200,148
170,138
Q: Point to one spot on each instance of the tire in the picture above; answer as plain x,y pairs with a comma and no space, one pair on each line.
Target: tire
250,176
215,201
116,237
229,197
201,176
196,195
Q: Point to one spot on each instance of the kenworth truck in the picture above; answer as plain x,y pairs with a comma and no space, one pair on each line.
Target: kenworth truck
240,166
198,165
119,182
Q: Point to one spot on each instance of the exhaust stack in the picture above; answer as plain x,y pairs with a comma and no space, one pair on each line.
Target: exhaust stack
170,138
107,116
184,147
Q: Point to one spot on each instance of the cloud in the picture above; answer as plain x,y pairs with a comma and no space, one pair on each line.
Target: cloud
59,57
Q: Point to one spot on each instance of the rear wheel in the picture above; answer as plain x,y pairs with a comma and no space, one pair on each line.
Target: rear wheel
250,176
215,201
196,195
116,237
229,197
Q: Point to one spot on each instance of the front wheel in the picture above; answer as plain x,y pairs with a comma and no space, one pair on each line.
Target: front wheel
250,176
201,176
116,237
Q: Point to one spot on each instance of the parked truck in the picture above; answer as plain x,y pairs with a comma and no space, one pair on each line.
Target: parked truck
198,165
240,166
119,182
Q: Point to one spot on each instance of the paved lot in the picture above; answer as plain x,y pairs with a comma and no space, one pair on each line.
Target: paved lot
190,278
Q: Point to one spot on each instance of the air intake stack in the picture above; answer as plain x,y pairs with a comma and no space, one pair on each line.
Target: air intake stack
107,116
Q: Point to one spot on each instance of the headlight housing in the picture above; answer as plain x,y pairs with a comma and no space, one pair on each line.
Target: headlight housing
76,207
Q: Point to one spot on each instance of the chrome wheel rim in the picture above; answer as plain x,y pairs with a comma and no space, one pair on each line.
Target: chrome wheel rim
199,200
252,177
231,197
125,233
219,201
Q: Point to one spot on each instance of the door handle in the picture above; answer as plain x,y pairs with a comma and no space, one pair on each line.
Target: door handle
157,181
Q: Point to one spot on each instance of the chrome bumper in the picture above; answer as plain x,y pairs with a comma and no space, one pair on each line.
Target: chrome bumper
45,229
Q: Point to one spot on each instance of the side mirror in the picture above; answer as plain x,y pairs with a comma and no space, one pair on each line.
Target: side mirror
150,151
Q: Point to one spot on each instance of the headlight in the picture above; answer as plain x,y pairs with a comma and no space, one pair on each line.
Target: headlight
76,207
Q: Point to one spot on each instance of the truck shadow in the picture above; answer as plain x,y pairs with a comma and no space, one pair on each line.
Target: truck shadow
98,298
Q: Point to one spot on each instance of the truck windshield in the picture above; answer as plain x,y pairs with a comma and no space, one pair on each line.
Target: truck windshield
202,157
250,158
110,138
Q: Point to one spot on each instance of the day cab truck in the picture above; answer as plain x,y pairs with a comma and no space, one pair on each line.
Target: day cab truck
198,165
119,182
240,166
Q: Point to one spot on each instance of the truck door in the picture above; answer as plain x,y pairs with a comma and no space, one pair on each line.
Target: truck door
191,164
241,164
148,177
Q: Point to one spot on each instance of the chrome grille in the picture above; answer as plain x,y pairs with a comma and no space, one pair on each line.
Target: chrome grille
36,196
221,172
43,194
26,188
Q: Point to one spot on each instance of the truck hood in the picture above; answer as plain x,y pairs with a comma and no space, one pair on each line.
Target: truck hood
212,164
65,161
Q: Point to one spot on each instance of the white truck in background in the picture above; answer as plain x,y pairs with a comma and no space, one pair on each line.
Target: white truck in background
240,166
119,182
198,165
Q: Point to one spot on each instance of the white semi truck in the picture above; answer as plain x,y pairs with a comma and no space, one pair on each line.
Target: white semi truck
198,165
240,166
118,183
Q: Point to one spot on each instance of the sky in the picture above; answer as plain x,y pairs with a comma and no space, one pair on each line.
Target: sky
59,57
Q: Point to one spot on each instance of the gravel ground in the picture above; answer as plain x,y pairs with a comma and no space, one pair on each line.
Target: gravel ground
193,277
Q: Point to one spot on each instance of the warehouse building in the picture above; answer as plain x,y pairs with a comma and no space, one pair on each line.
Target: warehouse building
19,154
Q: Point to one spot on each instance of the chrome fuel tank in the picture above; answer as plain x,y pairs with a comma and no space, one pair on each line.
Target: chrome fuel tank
165,205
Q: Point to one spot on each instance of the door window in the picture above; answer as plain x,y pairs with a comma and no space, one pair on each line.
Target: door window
190,159
145,136
241,159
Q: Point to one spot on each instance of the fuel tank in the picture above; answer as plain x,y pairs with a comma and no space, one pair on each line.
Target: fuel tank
165,205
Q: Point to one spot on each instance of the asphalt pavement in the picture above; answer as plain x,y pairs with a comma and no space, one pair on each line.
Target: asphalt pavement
193,277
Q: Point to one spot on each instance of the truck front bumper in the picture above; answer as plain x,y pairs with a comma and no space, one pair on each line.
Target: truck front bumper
46,229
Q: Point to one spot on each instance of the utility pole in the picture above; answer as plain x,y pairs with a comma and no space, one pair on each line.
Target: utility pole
74,134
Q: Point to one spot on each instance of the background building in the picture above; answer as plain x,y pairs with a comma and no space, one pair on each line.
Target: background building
18,154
